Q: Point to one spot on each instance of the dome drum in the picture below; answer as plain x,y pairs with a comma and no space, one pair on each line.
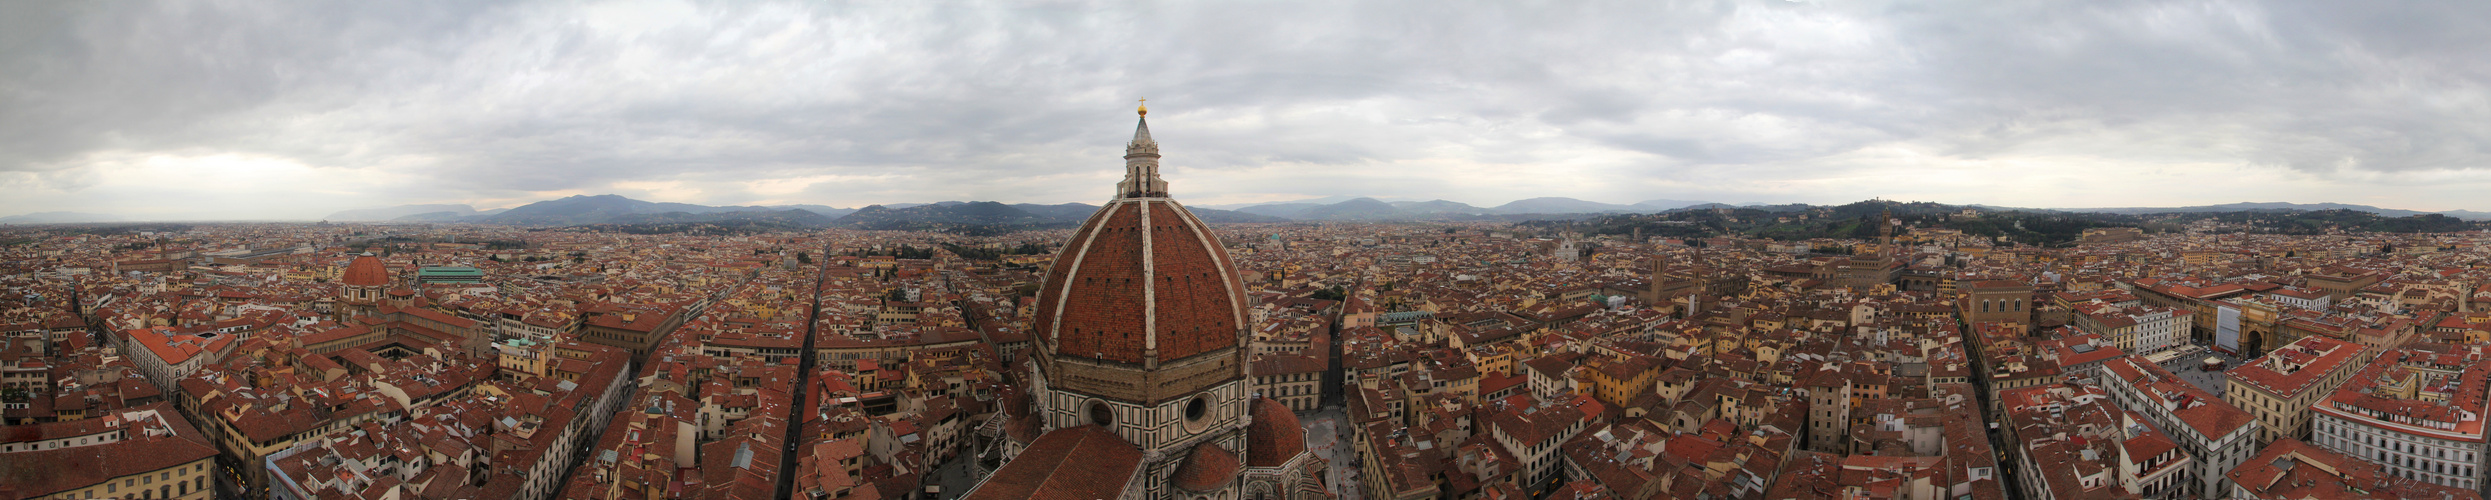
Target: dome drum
1162,426
1133,383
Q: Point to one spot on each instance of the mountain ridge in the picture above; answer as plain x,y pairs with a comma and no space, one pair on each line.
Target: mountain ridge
2278,205
616,209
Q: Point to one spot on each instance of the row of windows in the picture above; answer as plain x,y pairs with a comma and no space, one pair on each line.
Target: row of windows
139,484
62,443
2407,465
2399,442
1293,390
2445,466
1297,377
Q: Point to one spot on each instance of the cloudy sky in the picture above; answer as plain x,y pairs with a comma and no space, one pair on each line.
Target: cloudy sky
293,110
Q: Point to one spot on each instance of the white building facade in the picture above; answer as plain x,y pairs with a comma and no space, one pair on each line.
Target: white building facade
2438,456
2216,435
2418,411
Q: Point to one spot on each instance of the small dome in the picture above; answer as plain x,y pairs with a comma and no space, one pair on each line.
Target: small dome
1275,436
1208,468
366,271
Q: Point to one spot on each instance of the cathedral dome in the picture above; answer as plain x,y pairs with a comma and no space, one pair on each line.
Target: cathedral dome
1208,468
1139,329
366,271
1274,437
1142,282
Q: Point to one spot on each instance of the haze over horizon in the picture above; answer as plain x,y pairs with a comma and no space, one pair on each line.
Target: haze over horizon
184,110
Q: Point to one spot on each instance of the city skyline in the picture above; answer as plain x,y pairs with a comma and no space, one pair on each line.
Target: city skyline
173,110
825,249
1881,349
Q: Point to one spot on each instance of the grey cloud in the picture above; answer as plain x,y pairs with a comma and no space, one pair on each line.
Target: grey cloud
2316,85
1025,102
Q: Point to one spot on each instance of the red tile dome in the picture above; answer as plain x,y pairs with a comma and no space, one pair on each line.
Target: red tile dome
1275,436
366,271
1142,275
1208,468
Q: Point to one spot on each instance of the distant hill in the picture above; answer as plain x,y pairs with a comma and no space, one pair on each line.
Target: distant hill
59,218
606,209
977,217
792,218
983,212
1068,211
1327,200
2281,206
1366,209
636,215
1659,205
1358,209
825,211
717,223
2467,214
1437,208
1560,205
1281,210
1217,216
1793,222
986,217
1338,208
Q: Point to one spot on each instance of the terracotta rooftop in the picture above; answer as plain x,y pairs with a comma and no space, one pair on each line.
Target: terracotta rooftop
1275,436
366,270
2291,469
1206,469
2295,367
1074,463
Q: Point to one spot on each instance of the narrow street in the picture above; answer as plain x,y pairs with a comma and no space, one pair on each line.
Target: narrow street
804,375
1998,445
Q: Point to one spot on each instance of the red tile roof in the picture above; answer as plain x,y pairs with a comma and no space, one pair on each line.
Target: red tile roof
2296,367
2290,468
1075,463
1208,468
37,474
1275,435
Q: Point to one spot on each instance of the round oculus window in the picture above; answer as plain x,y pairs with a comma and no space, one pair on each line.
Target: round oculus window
1101,415
1198,414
